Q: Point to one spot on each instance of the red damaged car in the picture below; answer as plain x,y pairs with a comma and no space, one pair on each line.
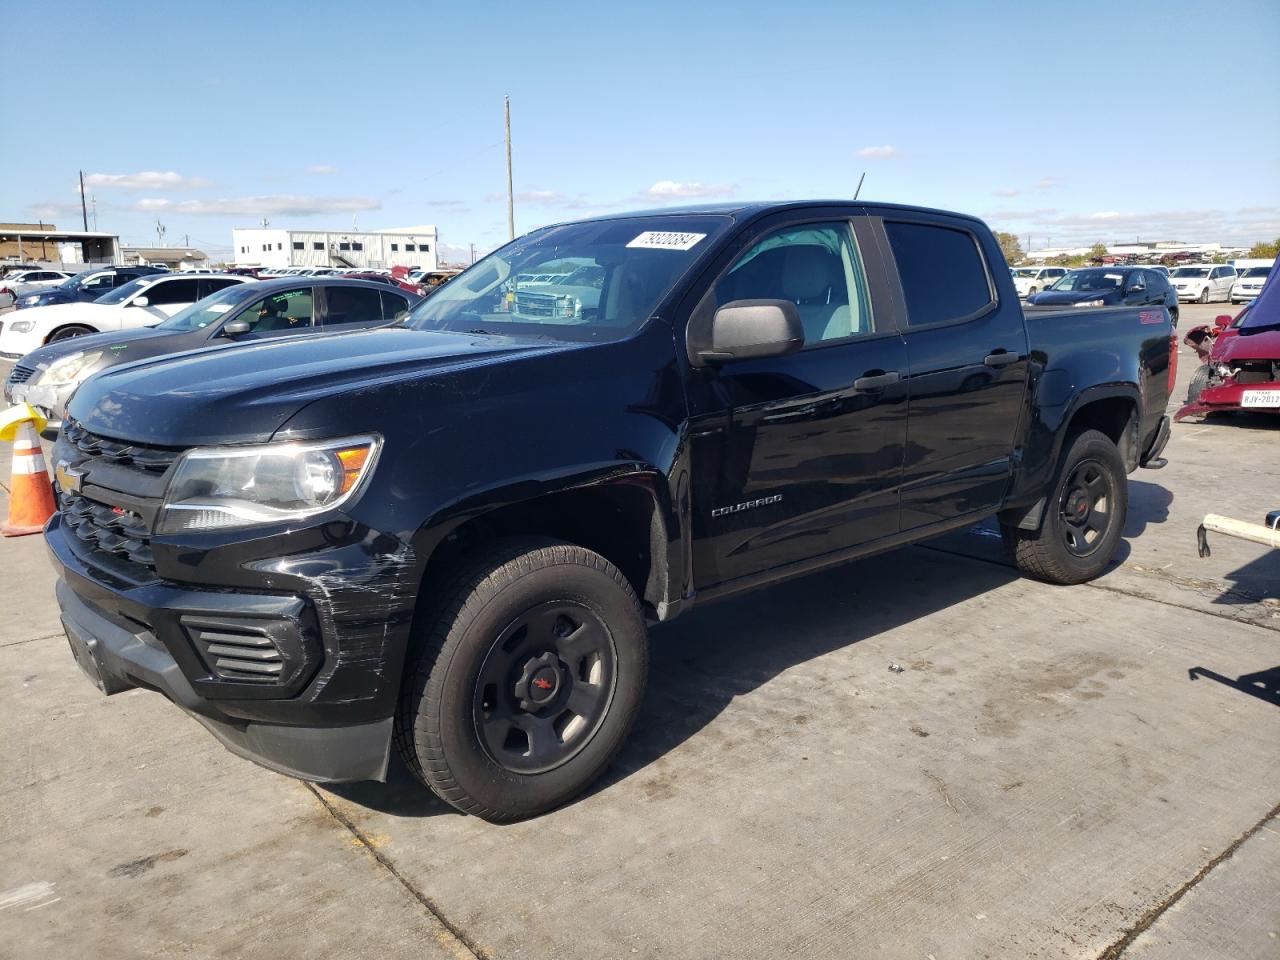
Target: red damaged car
1241,370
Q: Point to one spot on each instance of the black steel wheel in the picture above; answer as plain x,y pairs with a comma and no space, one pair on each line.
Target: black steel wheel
545,687
528,675
1085,507
1083,517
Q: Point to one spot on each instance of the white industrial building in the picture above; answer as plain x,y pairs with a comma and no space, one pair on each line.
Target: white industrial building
413,247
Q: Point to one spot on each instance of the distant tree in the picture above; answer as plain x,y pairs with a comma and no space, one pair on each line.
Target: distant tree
1265,251
1010,247
1097,252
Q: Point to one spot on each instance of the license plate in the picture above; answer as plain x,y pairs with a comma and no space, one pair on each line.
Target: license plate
1261,398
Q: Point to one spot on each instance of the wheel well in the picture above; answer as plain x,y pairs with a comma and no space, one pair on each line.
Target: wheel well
1116,417
619,522
68,326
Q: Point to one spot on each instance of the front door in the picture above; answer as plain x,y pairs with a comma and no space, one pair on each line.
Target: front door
967,358
799,456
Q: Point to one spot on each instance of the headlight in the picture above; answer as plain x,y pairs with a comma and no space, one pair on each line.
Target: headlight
1090,303
217,488
30,300
70,369
22,326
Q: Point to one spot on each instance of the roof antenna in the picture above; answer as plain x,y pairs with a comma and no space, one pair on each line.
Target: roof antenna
860,179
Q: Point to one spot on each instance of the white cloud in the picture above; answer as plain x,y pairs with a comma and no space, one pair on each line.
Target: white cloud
673,190
274,205
1044,183
1007,192
321,168
145,180
879,153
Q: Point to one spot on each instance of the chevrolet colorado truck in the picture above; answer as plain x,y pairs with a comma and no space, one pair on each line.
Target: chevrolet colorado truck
446,536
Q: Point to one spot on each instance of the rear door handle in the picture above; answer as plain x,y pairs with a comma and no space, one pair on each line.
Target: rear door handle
875,381
1000,358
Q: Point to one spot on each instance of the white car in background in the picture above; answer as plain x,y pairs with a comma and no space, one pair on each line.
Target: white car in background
1029,280
139,303
1249,283
19,282
1203,282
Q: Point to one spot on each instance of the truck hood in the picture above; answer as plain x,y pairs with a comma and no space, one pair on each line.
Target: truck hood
244,393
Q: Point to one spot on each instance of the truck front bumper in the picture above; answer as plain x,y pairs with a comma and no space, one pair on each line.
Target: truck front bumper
124,637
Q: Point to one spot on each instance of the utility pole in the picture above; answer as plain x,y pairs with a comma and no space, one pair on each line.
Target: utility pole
159,234
84,213
860,179
473,253
511,206
93,202
186,240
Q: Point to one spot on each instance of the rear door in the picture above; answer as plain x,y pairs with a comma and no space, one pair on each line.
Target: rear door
967,360
799,456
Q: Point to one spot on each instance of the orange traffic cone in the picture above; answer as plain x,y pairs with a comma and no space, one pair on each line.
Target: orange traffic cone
30,492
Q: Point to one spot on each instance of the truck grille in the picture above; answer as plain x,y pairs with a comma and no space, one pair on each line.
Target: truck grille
109,530
535,304
20,373
151,459
111,516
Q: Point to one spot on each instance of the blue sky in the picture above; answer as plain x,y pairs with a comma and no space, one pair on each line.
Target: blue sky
1066,122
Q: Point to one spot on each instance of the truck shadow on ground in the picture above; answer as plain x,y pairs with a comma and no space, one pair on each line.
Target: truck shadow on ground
1265,684
701,662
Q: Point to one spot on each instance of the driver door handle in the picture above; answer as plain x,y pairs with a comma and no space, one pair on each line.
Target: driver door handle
875,381
1000,358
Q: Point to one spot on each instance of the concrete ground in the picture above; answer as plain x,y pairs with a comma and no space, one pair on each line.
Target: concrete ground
1054,773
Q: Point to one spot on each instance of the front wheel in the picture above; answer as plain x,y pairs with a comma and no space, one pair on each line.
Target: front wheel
1083,518
1204,295
66,333
528,681
1199,380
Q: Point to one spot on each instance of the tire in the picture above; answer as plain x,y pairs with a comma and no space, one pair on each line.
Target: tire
1031,292
1063,552
1173,316
66,333
536,639
1199,380
1204,295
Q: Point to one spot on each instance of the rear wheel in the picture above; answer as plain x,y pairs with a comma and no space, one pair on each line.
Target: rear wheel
66,333
528,681
1083,518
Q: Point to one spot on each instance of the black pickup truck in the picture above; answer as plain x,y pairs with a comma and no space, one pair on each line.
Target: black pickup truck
448,533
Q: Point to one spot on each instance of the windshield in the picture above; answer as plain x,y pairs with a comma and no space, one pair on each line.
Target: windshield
75,282
1257,272
1102,279
1028,272
595,280
121,294
210,309
1191,272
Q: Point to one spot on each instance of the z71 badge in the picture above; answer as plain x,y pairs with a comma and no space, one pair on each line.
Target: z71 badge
748,505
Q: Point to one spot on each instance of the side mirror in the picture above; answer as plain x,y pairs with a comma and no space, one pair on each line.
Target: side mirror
1222,321
235,328
139,302
748,330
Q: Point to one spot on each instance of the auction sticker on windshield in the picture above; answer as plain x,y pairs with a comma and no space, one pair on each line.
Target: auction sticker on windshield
666,240
1260,398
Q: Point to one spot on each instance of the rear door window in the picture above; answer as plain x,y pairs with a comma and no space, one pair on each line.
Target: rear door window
214,284
394,305
944,277
350,305
172,291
